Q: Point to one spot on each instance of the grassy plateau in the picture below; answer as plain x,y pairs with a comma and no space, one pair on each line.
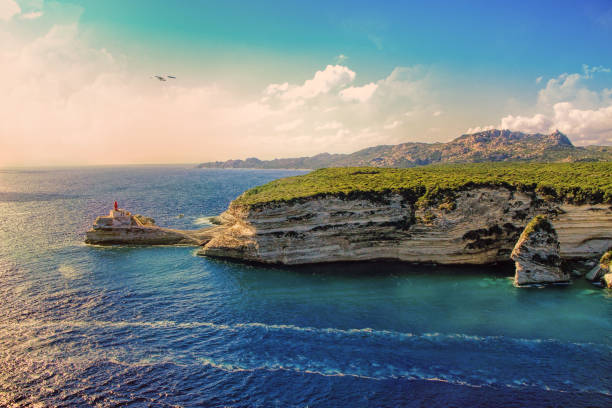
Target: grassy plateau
579,183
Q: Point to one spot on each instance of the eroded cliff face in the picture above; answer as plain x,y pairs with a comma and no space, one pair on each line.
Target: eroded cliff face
480,226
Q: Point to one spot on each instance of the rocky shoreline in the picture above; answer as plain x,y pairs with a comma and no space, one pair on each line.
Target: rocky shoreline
481,226
476,215
120,227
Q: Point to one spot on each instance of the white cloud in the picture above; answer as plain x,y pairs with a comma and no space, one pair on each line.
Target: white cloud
392,125
589,71
284,127
341,59
477,129
67,102
274,89
71,103
437,113
329,79
8,9
584,125
32,15
329,126
405,89
567,87
539,79
359,93
567,104
535,124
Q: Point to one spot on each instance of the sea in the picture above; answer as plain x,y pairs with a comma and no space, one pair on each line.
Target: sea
162,327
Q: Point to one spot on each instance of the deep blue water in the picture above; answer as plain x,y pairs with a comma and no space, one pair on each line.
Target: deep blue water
83,325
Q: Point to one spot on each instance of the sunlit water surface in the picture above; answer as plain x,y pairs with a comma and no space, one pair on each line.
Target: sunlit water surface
83,325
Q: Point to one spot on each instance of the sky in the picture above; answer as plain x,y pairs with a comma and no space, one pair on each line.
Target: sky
272,79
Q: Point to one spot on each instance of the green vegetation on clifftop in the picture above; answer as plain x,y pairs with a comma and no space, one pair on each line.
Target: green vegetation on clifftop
570,182
538,223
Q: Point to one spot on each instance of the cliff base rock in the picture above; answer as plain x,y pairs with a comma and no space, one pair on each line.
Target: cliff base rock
537,255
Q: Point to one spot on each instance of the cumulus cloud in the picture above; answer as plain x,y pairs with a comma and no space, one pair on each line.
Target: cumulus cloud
594,125
360,114
477,129
69,102
534,124
567,103
275,89
392,125
8,9
324,81
359,93
567,87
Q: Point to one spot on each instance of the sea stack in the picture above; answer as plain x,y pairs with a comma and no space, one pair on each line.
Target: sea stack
602,271
537,254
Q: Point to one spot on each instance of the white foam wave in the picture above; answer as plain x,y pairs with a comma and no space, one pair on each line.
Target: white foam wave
409,375
363,332
203,221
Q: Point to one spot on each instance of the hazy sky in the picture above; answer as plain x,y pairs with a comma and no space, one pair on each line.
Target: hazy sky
292,78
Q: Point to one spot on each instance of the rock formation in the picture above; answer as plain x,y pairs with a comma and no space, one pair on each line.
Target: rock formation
490,145
121,227
607,280
480,226
601,270
537,254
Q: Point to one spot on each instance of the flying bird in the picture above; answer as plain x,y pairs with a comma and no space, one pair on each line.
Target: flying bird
161,78
171,76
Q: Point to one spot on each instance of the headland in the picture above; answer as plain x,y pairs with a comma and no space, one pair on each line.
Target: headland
121,227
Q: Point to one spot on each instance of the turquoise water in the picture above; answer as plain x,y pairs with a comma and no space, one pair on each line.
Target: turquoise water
83,325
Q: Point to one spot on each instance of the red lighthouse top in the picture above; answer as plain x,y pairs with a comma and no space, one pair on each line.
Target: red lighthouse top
116,206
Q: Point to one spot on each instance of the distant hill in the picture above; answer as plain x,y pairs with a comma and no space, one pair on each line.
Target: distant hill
487,146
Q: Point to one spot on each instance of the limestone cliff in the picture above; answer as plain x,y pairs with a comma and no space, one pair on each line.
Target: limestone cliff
537,254
480,225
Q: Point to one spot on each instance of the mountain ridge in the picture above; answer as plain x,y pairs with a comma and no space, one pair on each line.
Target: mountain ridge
490,145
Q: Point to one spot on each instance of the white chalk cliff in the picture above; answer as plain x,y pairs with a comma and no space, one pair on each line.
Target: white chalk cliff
481,226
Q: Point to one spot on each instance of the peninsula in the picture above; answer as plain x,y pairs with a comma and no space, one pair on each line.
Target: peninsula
120,227
446,214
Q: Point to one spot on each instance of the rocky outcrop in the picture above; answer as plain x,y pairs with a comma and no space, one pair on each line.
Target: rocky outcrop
489,145
601,270
120,227
480,225
149,235
537,254
607,280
